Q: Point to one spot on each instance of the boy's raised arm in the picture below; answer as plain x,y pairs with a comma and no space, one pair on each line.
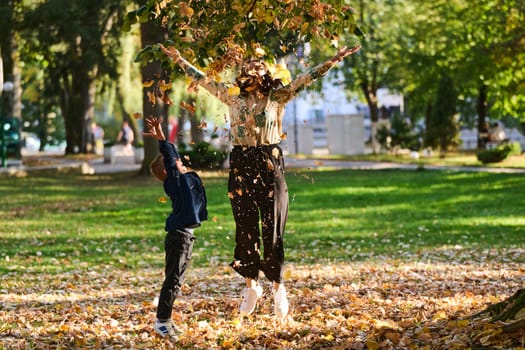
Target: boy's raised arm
155,129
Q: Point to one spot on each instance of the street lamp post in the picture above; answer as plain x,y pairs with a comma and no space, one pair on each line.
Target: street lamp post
7,87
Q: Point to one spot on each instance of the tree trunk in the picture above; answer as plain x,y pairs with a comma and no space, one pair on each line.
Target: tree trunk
511,311
371,99
77,107
196,132
151,34
482,113
7,46
42,128
428,141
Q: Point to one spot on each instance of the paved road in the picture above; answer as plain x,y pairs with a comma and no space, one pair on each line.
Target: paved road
97,166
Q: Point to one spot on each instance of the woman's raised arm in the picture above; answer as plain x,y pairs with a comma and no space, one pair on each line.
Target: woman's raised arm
217,89
288,92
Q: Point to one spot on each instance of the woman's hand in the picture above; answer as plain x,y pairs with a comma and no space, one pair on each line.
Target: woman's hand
154,128
171,52
344,52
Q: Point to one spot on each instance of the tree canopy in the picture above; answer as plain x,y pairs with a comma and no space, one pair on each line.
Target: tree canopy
219,34
66,55
75,46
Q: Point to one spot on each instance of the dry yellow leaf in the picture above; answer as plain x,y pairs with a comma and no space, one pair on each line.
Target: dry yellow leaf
372,345
440,316
163,86
234,91
148,84
259,52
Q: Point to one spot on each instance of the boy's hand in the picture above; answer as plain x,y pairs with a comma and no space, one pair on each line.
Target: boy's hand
154,127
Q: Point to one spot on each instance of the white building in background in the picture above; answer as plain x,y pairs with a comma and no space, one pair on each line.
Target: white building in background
305,117
333,122
306,121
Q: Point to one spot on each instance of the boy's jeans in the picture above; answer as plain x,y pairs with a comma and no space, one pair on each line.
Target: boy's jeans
178,246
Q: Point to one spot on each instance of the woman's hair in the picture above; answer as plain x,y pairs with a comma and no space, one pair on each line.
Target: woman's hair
156,167
250,80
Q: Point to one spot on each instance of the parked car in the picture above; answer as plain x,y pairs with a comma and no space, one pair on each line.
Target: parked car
11,137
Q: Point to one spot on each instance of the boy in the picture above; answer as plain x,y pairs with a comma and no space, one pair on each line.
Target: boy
188,202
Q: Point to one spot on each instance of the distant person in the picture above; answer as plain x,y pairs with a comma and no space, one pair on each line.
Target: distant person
173,128
89,136
98,137
496,133
188,203
126,136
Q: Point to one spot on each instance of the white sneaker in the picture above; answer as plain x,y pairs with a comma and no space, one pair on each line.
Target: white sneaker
249,299
280,306
167,329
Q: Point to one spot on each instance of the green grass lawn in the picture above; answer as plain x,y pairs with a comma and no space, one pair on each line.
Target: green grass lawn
466,158
392,257
57,222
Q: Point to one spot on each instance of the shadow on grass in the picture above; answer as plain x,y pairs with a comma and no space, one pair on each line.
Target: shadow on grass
60,222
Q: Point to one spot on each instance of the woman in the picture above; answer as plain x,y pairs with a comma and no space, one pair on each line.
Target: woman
256,187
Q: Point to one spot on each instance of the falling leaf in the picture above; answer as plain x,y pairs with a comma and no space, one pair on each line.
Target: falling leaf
137,115
152,98
148,84
202,125
185,10
259,52
163,86
190,108
166,100
234,91
162,200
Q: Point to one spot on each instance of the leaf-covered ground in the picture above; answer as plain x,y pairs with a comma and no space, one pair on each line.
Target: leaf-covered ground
421,304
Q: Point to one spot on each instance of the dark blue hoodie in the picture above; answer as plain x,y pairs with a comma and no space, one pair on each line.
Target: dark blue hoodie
187,194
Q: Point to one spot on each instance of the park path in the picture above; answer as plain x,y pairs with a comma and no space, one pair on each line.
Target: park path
97,165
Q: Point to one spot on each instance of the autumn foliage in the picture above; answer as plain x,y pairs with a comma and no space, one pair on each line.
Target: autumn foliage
219,34
381,305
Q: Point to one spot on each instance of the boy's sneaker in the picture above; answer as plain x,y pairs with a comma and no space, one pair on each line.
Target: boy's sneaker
249,299
167,329
280,302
